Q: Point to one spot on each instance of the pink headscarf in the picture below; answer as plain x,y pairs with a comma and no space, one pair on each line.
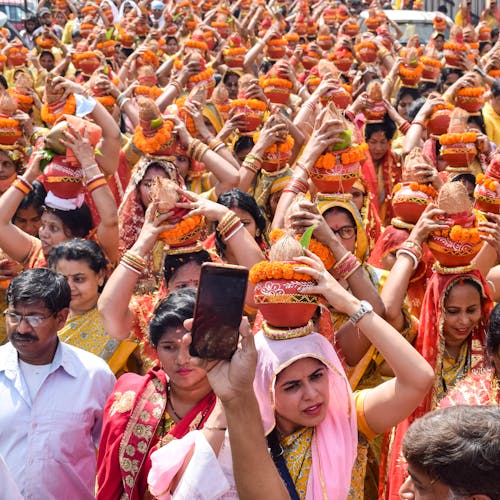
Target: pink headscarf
335,440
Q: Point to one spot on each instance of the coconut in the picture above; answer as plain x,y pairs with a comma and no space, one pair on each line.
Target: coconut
453,198
286,249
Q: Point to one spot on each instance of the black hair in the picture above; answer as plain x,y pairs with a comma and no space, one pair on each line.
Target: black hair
236,198
171,312
445,72
458,446
78,249
78,221
3,82
478,120
34,198
40,284
403,91
341,210
415,108
243,142
493,331
47,53
426,87
387,126
174,262
495,88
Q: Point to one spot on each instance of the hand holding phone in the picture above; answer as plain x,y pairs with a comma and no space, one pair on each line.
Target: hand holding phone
218,311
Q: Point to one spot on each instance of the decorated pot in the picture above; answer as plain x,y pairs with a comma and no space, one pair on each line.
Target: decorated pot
339,179
339,96
453,59
234,61
325,42
367,52
451,253
310,60
277,94
10,131
276,51
351,29
343,63
64,180
439,121
487,200
459,155
409,201
185,233
281,303
253,117
375,113
471,103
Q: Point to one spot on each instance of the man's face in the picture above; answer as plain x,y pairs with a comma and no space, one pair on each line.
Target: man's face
46,19
420,486
35,335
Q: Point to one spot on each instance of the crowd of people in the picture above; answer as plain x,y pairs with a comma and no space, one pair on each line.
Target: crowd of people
350,167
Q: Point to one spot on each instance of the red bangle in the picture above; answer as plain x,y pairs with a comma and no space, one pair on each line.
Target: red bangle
24,186
97,183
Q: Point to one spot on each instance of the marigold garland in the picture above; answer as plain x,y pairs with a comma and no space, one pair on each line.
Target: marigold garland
410,72
108,101
471,92
450,139
431,61
277,148
441,106
149,57
455,47
276,82
44,43
354,154
21,98
152,92
462,234
155,143
265,270
487,182
494,73
202,76
234,51
181,229
274,42
365,45
196,44
249,103
50,118
415,186
79,56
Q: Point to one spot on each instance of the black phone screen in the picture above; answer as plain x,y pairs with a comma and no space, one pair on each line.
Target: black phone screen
218,311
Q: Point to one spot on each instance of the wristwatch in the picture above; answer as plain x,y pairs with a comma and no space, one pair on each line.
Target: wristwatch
365,308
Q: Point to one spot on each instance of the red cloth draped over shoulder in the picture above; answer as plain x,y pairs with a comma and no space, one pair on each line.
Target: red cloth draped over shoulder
430,344
132,416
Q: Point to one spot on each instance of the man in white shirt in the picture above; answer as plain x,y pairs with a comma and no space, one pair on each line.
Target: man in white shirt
52,395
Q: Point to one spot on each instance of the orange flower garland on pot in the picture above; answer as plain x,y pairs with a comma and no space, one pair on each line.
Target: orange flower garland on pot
471,98
410,197
410,70
459,243
439,120
187,229
277,156
10,130
279,289
487,191
366,51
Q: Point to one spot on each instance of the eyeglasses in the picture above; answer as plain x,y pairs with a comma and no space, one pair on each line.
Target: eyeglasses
345,232
34,320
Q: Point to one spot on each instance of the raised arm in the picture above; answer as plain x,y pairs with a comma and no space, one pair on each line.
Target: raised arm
389,403
114,301
14,241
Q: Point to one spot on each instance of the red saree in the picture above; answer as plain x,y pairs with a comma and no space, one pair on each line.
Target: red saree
430,343
132,418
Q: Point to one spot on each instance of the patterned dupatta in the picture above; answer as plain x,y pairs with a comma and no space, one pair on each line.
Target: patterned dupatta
132,417
430,343
381,182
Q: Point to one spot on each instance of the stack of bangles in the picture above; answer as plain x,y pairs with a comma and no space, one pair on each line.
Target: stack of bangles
413,250
404,127
133,262
229,225
216,144
176,85
95,181
22,185
252,162
121,100
197,149
345,267
296,185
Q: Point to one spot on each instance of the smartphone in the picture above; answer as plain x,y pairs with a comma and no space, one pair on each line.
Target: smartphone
218,311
